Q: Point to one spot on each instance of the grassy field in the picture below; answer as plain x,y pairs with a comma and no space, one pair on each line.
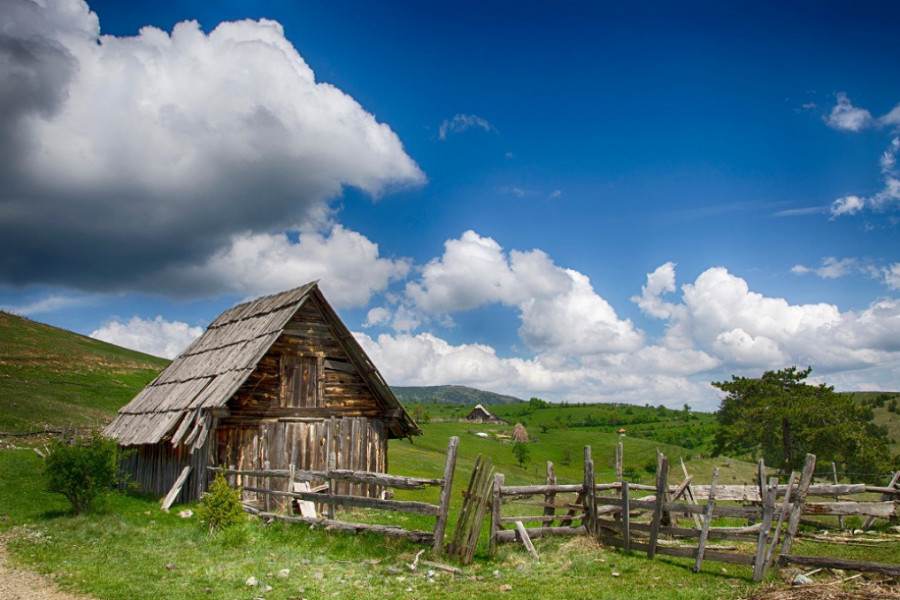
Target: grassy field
133,551
50,377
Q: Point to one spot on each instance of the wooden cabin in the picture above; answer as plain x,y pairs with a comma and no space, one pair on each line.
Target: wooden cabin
267,385
480,414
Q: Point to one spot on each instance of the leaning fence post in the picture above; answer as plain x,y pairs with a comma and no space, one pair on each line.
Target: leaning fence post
707,520
662,477
440,523
799,500
782,513
496,512
768,498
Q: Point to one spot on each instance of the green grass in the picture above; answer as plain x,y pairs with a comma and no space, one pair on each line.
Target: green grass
50,377
134,551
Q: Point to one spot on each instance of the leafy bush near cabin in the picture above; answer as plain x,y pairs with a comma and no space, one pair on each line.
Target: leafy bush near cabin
85,473
221,507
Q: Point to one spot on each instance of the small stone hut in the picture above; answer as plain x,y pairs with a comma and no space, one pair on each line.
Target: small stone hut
267,384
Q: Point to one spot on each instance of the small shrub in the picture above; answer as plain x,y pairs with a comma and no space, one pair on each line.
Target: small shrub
221,507
84,473
520,451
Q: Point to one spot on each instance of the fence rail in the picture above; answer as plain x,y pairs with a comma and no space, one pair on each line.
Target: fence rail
328,498
645,518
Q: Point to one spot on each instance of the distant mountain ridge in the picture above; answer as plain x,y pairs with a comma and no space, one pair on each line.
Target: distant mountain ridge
450,394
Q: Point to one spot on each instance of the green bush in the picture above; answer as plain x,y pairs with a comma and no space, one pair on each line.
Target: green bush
85,473
221,507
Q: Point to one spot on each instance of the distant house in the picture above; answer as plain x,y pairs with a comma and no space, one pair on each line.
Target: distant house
269,384
480,414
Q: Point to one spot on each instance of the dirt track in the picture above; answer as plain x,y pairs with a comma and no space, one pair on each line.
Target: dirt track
16,584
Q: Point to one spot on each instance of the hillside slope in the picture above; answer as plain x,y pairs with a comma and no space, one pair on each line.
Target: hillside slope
450,394
50,377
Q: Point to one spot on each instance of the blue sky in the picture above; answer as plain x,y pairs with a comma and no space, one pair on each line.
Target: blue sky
584,201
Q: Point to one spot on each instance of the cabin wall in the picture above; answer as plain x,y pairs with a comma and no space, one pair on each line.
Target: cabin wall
357,443
155,467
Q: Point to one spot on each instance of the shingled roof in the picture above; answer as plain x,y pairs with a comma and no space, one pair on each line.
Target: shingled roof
208,373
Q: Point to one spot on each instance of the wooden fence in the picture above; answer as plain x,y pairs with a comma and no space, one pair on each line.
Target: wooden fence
327,499
645,518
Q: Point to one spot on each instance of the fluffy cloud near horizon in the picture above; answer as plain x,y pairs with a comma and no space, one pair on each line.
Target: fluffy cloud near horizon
716,327
158,336
159,150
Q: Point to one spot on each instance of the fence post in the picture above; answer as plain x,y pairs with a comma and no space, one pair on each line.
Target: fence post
440,523
620,458
626,516
799,500
662,476
589,500
550,497
496,512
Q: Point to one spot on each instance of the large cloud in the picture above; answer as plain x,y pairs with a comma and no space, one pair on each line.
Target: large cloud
560,311
127,155
346,263
714,326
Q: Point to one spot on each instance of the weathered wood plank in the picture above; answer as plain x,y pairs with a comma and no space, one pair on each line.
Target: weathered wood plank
848,565
707,520
523,535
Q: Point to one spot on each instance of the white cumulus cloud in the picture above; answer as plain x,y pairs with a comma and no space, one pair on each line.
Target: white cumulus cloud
844,116
558,308
347,264
158,336
149,151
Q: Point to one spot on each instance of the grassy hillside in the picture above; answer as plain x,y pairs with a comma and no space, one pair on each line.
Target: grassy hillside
53,377
885,413
450,395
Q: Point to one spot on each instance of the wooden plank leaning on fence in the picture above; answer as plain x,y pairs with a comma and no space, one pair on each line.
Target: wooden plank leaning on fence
471,515
793,523
689,494
707,520
769,496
